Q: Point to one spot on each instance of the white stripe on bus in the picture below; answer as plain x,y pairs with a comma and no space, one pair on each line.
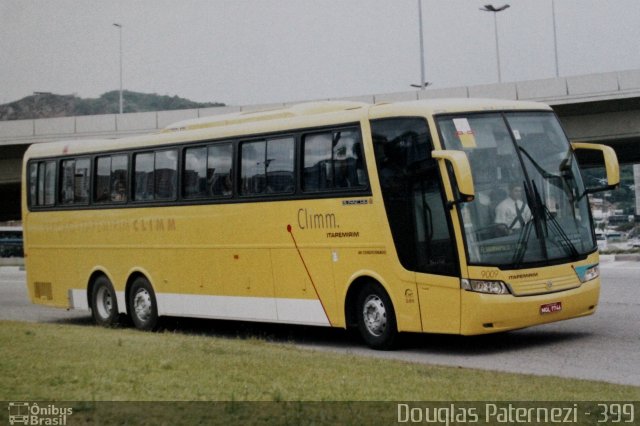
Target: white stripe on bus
264,309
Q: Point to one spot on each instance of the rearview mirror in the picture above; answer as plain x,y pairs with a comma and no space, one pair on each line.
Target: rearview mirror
461,171
611,165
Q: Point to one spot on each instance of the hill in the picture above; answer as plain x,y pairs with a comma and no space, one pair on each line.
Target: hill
48,105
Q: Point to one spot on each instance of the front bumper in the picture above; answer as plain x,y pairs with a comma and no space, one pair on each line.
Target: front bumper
487,313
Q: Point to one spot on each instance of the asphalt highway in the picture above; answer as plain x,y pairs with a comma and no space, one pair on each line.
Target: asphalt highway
604,346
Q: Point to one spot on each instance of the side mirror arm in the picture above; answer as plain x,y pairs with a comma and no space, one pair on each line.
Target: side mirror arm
461,171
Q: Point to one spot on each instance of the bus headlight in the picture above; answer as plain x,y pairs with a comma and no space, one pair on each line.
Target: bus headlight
481,286
587,273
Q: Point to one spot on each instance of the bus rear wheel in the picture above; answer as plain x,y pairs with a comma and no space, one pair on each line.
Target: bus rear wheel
376,317
142,305
104,305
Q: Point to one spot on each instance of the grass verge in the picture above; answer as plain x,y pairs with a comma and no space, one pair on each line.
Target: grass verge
81,363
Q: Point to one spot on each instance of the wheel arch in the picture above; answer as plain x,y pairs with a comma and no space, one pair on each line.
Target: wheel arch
357,282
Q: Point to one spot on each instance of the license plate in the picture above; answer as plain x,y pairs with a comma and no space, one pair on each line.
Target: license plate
550,308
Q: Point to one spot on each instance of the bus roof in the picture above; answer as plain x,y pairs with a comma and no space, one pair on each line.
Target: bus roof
309,108
311,114
452,106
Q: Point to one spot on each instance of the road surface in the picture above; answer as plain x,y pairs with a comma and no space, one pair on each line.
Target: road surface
604,346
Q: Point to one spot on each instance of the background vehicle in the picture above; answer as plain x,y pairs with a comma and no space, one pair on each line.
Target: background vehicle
10,241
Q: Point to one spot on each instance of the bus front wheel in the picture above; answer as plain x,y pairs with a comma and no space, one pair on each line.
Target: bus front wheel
142,305
376,317
104,305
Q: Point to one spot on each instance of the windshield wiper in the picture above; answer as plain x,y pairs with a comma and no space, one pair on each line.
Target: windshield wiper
523,240
522,243
559,181
550,219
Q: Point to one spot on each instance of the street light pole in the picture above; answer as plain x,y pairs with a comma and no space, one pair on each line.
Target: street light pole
119,26
555,36
423,83
495,10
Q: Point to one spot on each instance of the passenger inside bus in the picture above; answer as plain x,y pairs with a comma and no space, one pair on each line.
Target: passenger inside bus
223,185
119,192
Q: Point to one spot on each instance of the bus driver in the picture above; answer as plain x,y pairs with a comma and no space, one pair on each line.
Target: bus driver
513,210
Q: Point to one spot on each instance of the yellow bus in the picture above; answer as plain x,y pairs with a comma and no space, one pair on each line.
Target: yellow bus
443,216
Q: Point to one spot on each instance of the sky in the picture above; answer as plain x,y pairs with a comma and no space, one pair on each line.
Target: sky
245,52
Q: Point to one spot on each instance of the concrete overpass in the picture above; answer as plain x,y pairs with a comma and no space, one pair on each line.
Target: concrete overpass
603,108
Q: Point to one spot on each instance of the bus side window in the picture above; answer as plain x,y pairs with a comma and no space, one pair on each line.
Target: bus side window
347,160
74,182
207,171
194,178
252,167
166,175
333,161
119,178
279,165
219,170
103,176
66,181
111,179
156,175
317,158
144,176
50,183
267,166
43,183
33,183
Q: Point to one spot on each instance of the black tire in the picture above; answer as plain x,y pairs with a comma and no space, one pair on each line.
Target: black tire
376,317
143,308
104,305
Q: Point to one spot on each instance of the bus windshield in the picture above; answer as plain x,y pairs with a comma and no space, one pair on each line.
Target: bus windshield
530,206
